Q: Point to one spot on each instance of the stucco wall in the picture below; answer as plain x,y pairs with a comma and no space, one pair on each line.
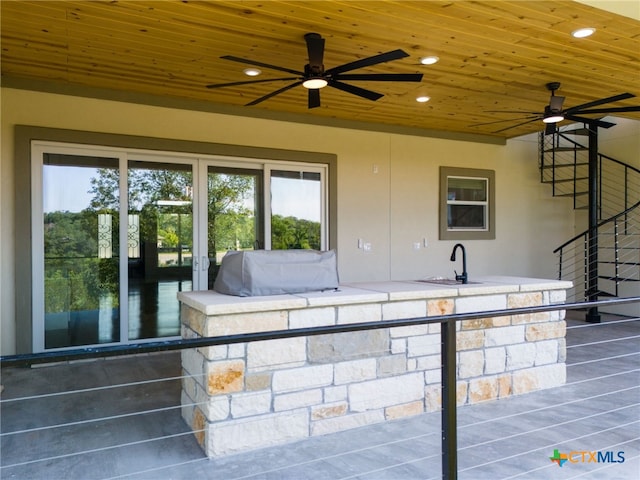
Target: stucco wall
391,206
621,142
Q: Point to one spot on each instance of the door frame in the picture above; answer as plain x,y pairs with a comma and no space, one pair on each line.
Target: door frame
101,143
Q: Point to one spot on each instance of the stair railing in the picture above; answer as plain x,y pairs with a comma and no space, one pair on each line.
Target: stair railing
612,175
620,235
555,159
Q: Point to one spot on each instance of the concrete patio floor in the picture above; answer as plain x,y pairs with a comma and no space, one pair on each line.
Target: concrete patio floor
598,410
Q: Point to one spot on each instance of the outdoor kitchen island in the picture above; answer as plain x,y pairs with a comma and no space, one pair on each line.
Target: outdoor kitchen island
246,396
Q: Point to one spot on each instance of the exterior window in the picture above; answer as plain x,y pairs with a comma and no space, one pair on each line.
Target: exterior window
467,204
296,209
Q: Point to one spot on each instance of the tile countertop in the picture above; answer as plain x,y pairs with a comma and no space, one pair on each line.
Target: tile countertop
211,302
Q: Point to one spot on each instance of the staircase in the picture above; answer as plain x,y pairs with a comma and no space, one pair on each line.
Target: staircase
607,262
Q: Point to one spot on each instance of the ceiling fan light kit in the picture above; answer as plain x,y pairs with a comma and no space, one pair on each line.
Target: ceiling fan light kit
315,83
553,119
314,76
551,116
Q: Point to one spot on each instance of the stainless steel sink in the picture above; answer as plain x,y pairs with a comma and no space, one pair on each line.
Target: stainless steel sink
444,281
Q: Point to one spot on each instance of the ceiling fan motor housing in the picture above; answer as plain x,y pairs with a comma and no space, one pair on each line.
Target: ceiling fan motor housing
313,71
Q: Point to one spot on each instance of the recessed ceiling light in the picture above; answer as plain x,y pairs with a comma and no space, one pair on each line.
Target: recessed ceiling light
583,32
423,99
252,72
429,60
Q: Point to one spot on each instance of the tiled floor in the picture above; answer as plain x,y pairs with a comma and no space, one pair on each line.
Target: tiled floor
597,411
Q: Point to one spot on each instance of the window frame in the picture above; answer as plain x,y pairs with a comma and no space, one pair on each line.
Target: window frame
447,233
299,168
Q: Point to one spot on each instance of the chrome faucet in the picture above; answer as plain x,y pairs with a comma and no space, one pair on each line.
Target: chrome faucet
460,278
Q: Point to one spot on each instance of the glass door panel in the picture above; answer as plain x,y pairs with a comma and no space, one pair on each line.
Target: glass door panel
160,246
296,210
233,218
81,223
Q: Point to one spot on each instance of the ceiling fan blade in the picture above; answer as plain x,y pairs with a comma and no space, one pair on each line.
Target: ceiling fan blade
315,48
595,103
314,97
233,84
591,121
502,121
555,103
610,110
361,92
381,77
367,62
517,125
513,111
260,64
273,94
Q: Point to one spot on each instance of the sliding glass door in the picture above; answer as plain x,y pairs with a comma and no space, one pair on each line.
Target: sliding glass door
117,234
116,243
160,246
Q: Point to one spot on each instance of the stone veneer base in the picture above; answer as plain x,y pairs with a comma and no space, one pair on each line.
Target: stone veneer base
253,395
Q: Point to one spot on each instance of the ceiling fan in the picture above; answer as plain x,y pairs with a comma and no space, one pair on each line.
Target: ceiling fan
554,113
314,77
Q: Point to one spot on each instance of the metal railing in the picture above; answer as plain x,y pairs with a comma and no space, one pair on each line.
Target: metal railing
564,166
618,258
449,455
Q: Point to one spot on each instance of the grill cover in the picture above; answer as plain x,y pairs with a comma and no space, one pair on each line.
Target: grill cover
275,272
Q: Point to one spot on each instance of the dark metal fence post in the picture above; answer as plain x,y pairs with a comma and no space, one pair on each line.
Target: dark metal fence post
449,413
593,316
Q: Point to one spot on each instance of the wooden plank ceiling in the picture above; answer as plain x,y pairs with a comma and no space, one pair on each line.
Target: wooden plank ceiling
494,55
